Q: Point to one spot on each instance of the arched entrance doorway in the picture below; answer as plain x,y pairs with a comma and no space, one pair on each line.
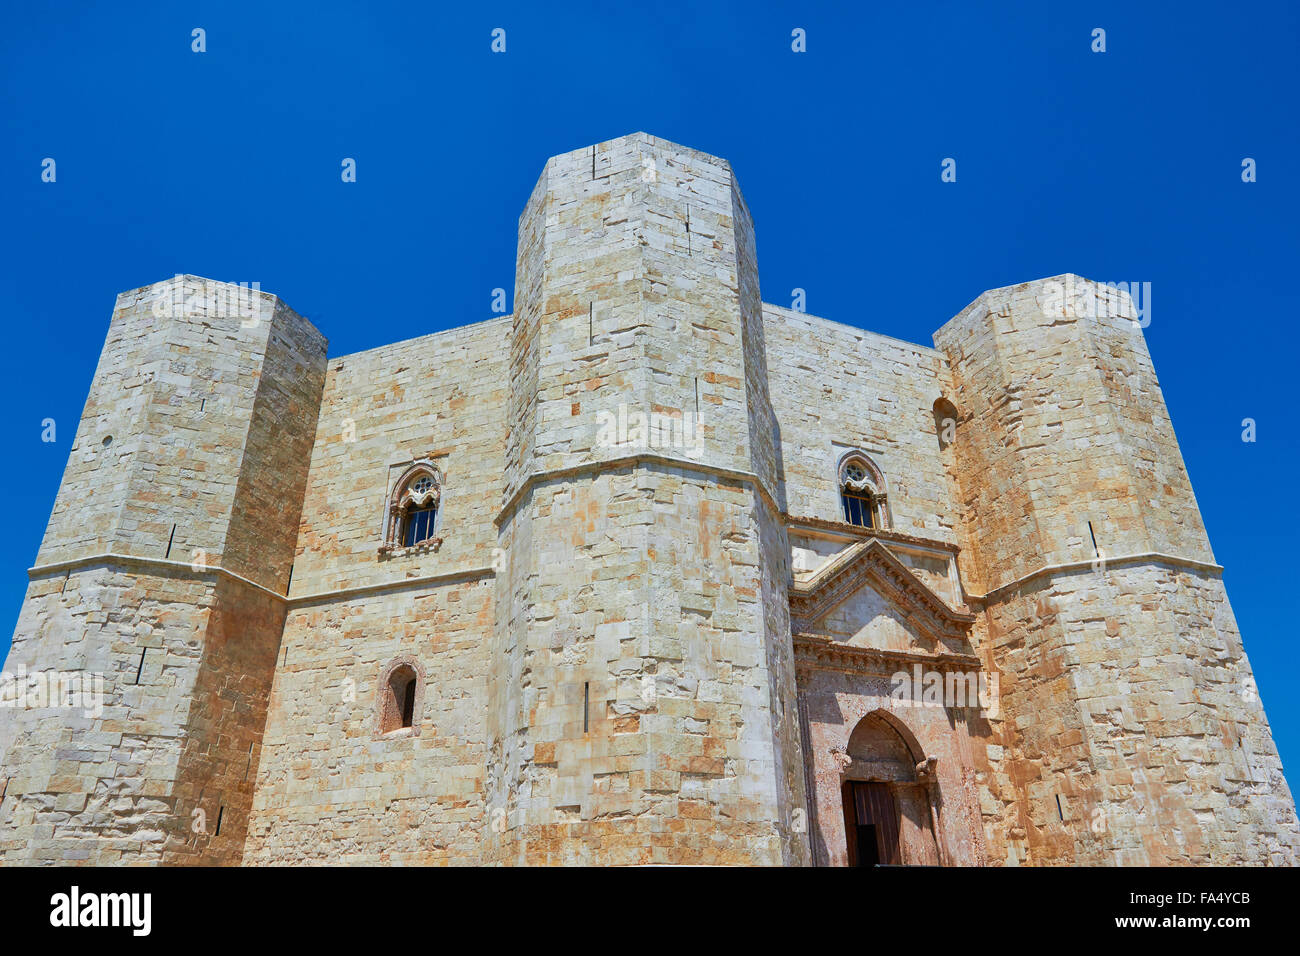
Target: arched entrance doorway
889,796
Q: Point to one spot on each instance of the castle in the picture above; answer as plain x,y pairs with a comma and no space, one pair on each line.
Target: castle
649,571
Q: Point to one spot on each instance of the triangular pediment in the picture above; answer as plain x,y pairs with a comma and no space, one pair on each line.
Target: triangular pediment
866,579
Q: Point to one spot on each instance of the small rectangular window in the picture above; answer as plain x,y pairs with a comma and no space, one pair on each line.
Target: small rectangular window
419,526
859,510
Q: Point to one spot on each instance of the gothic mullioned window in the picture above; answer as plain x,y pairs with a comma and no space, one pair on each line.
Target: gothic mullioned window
862,492
412,520
418,519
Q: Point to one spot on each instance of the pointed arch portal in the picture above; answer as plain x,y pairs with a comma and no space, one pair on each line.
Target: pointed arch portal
889,796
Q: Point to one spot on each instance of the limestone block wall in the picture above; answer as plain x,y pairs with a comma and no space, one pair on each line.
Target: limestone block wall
330,788
1063,413
162,773
440,396
638,739
1128,697
268,496
164,432
836,387
633,289
222,733
1124,687
224,406
629,293
775,568
96,790
115,411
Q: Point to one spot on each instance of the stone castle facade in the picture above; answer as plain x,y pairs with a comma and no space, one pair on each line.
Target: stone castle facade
649,571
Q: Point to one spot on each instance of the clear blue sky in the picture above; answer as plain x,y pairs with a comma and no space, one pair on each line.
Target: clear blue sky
1122,166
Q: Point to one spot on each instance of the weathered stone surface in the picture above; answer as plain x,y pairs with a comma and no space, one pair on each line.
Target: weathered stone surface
163,571
1126,692
639,629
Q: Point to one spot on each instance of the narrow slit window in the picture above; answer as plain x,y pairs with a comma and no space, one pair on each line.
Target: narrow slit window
408,703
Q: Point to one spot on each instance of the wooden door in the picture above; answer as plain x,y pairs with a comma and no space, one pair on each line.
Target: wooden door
870,824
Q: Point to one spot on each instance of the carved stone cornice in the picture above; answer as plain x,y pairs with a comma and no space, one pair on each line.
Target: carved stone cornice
870,562
822,653
797,522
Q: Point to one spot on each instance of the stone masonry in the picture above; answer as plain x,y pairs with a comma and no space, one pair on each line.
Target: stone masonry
643,624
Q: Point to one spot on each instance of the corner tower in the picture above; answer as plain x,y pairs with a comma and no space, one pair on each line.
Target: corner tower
161,575
1133,732
643,700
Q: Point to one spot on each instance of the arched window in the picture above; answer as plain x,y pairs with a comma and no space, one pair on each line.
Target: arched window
399,696
945,422
413,508
421,508
862,492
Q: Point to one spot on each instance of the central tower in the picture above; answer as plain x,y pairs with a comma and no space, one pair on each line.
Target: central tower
643,702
